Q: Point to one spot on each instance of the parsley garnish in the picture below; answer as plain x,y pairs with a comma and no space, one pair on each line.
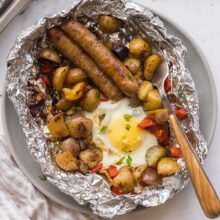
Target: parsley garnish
43,178
130,76
120,161
127,117
127,126
129,160
104,129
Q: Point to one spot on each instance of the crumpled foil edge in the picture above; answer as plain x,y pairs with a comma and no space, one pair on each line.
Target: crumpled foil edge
91,188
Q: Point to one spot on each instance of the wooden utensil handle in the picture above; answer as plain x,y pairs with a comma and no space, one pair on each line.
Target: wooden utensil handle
205,192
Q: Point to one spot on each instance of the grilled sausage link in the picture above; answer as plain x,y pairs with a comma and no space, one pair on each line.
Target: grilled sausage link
76,55
102,56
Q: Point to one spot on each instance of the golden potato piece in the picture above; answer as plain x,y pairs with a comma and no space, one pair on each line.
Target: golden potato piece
91,100
64,104
153,101
167,166
151,177
66,161
150,65
75,75
80,127
75,92
91,157
138,172
50,54
57,126
144,89
132,64
109,24
124,180
161,116
139,48
59,77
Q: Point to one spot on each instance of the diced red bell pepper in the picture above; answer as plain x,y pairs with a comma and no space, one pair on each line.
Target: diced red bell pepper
117,190
147,122
181,113
112,171
162,133
175,152
97,168
104,98
167,85
45,68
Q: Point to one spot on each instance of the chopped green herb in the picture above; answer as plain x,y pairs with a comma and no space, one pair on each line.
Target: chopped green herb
130,76
120,161
129,160
127,126
104,129
127,117
43,178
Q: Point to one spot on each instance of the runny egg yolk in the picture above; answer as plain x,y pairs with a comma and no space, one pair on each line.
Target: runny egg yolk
125,135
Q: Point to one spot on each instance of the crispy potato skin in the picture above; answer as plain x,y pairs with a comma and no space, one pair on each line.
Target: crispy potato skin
103,57
76,55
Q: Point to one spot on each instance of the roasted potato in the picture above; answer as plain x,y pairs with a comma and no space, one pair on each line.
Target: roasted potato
144,89
161,116
66,161
75,92
50,54
132,64
153,101
91,157
64,104
80,127
59,77
91,100
124,180
139,48
151,177
83,168
109,24
57,126
154,154
138,172
75,75
167,166
150,65
72,145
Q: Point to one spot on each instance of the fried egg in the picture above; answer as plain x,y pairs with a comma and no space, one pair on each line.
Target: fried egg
116,133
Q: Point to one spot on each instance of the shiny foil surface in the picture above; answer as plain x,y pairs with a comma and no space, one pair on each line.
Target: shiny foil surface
91,188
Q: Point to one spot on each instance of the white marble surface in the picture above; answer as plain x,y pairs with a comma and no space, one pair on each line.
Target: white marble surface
201,20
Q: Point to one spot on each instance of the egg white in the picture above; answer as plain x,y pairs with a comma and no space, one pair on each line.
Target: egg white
111,111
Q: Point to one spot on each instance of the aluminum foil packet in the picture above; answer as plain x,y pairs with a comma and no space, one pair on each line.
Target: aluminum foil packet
91,188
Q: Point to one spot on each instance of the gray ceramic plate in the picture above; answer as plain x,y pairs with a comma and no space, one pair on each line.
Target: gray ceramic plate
202,76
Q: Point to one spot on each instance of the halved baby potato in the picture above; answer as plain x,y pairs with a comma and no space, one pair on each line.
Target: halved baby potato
132,64
167,166
57,126
151,177
59,77
64,104
153,101
50,54
75,75
75,92
91,157
138,172
109,24
154,154
144,90
80,127
66,161
150,65
124,180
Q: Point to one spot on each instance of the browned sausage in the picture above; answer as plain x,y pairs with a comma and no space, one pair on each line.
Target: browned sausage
76,55
103,57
